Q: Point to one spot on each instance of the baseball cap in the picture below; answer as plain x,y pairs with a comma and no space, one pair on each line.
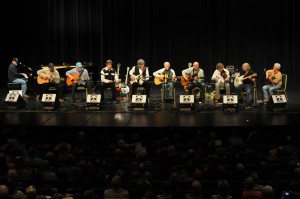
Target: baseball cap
78,64
51,65
109,61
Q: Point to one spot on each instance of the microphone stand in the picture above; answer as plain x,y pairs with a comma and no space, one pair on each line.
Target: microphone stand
262,83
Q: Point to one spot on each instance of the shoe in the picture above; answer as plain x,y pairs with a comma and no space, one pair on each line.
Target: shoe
61,100
25,96
266,100
71,101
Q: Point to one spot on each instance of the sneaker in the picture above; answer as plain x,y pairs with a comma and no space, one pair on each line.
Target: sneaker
25,96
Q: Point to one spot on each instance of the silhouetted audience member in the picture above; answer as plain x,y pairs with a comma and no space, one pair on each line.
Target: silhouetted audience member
196,191
223,188
249,192
115,191
4,192
267,192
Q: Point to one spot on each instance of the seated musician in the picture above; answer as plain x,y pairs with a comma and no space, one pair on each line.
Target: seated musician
78,76
245,82
14,76
109,77
194,77
48,77
274,82
221,77
139,76
166,76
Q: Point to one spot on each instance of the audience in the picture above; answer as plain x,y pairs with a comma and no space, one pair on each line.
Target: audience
203,163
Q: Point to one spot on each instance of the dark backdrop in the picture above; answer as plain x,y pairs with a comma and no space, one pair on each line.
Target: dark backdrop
260,32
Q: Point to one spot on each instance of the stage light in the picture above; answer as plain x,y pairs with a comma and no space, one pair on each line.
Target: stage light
49,101
14,100
93,101
139,102
277,102
186,102
230,103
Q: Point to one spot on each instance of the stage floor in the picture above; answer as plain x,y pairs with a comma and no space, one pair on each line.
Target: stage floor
157,114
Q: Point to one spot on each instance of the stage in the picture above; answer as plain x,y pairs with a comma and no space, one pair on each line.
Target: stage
122,113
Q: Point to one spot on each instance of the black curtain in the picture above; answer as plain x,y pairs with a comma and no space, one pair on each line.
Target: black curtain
260,32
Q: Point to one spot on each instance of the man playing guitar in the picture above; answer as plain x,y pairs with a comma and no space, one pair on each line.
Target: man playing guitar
78,76
48,77
139,77
166,76
246,83
193,77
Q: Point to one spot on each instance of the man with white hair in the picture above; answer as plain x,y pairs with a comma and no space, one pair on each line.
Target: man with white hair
274,82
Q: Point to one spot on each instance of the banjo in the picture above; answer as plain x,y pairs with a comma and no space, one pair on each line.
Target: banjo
124,88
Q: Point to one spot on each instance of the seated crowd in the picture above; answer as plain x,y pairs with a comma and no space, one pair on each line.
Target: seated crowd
204,163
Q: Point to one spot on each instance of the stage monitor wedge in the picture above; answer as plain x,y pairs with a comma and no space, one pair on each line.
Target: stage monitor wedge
14,100
277,102
49,101
186,102
93,101
139,102
230,103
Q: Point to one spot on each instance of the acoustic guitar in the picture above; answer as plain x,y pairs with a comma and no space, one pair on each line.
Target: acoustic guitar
158,81
185,82
75,79
47,79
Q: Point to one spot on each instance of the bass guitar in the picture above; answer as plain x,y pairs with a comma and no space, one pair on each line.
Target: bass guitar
75,79
165,78
48,79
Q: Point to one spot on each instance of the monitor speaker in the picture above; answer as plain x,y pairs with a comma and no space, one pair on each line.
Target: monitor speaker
139,102
14,100
277,102
93,101
186,102
230,103
49,101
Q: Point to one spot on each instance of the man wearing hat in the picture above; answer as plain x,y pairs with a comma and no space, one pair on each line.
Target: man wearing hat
139,76
109,77
78,76
50,77
18,78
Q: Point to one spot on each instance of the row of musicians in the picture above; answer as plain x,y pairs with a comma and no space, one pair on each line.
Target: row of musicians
192,77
